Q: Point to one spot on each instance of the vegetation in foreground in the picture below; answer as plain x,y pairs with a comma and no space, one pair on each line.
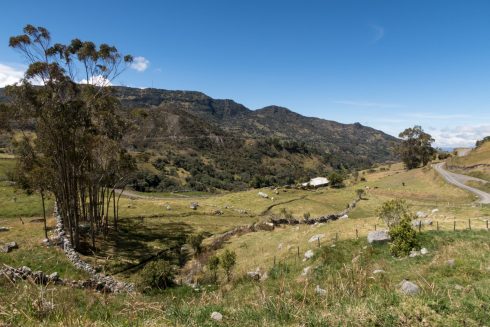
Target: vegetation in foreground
452,294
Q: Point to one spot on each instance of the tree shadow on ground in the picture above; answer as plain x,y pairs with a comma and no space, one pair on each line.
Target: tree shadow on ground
138,241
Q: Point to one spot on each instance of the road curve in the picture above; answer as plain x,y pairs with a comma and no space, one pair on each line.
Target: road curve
460,180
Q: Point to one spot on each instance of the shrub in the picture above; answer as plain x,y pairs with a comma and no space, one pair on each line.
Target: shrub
306,215
404,238
228,262
195,241
213,265
336,180
158,274
398,218
392,212
360,192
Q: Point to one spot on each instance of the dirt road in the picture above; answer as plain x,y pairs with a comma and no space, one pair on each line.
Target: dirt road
460,180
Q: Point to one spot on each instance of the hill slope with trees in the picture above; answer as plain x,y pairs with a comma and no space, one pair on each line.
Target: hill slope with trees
186,140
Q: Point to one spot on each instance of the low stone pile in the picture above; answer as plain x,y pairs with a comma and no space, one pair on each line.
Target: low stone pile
25,272
8,247
311,221
97,281
41,278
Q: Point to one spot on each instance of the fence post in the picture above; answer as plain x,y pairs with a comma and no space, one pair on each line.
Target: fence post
420,225
374,226
318,239
336,236
274,260
437,224
357,234
487,224
298,252
469,223
454,227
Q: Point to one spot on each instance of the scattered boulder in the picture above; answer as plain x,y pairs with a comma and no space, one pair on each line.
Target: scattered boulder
424,251
217,212
414,253
435,210
8,247
216,316
263,195
54,276
344,217
458,287
409,288
194,205
427,222
168,207
316,238
421,214
4,229
450,262
379,236
255,275
308,254
306,271
320,291
378,271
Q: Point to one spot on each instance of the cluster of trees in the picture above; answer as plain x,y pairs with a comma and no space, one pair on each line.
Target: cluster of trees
480,142
416,149
74,151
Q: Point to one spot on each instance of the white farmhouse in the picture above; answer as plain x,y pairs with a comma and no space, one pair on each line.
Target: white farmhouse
316,182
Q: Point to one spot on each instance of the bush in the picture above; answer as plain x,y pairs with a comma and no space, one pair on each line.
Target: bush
195,241
213,265
336,180
393,211
398,218
158,274
228,262
404,238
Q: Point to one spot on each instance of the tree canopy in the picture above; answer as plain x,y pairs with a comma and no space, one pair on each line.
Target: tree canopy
416,149
75,150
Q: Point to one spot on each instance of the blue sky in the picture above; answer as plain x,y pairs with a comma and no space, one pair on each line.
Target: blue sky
388,64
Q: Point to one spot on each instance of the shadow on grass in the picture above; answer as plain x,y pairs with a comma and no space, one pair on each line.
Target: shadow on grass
139,241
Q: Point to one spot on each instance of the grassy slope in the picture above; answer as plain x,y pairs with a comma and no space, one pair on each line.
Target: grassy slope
479,157
286,298
354,296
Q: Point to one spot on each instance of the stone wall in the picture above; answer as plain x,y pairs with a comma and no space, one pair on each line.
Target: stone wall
102,281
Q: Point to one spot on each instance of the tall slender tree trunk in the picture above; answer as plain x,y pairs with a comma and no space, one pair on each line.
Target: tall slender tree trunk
44,215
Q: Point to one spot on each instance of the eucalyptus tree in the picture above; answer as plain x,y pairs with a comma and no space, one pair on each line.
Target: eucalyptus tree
416,147
65,96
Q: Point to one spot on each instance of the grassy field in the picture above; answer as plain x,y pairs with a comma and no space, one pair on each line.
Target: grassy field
450,296
342,265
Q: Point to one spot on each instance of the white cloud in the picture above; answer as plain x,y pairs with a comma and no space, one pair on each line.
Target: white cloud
460,136
98,80
432,116
140,64
10,75
367,104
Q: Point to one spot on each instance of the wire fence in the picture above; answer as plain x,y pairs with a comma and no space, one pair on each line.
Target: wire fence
297,253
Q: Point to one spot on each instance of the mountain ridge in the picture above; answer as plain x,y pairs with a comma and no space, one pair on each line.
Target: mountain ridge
188,140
